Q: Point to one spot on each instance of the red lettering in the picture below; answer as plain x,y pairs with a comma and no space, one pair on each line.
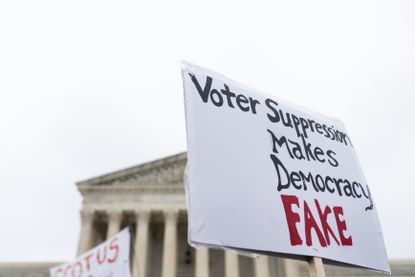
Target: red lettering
310,223
115,247
307,220
77,273
100,259
68,267
87,259
292,218
341,226
60,270
324,224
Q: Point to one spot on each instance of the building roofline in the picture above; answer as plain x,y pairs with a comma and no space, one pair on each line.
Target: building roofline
109,178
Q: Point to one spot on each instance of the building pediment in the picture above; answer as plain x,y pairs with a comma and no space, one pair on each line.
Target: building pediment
161,174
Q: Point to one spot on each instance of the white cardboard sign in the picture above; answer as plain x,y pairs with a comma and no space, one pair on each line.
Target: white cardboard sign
268,176
109,259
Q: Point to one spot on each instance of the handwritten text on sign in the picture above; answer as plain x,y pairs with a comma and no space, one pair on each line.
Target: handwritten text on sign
284,179
111,258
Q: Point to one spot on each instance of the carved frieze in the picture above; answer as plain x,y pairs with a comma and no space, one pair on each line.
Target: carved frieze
163,172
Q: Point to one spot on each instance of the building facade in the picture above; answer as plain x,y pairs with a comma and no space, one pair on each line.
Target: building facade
150,198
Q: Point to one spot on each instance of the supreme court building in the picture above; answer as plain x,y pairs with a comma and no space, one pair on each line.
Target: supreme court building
150,198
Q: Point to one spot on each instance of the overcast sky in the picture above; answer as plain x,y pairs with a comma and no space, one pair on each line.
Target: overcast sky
89,87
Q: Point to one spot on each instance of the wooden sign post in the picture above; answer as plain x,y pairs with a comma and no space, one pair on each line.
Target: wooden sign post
315,267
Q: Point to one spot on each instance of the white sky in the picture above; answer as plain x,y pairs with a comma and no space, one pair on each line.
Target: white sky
89,87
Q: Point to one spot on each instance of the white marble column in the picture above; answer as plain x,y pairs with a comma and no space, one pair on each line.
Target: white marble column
85,237
231,264
170,244
141,244
202,261
261,266
114,222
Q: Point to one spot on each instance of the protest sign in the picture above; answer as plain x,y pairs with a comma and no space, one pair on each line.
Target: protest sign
271,177
109,259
